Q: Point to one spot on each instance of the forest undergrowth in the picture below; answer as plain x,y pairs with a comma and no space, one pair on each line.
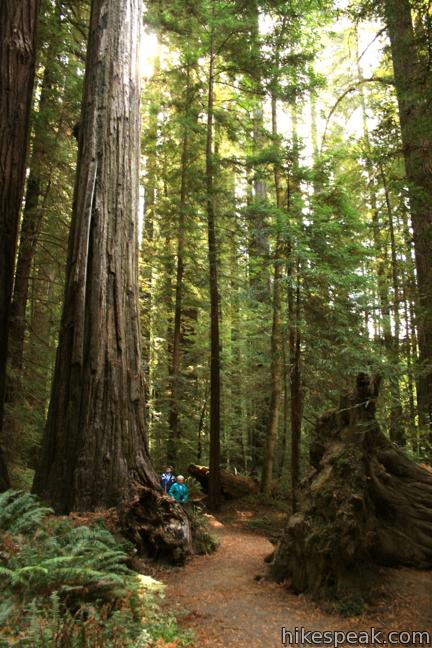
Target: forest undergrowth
67,584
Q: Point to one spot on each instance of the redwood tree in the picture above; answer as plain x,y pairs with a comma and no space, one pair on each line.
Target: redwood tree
414,94
215,386
18,20
95,449
273,421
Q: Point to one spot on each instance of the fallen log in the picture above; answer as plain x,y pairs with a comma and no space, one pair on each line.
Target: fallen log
233,486
365,504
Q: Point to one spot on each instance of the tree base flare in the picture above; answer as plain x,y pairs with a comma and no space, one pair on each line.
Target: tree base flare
364,505
157,526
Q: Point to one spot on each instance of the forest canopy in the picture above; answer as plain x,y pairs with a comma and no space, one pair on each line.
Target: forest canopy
214,215
215,263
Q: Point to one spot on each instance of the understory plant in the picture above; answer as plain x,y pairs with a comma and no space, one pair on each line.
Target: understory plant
68,586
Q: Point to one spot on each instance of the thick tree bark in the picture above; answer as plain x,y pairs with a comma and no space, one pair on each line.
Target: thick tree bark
215,387
415,112
95,447
18,21
364,504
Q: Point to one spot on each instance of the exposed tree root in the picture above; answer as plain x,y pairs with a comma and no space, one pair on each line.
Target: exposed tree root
365,504
156,524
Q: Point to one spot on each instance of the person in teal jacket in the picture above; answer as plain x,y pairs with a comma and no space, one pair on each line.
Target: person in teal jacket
179,491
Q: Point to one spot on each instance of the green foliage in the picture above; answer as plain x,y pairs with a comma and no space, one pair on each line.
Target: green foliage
194,486
203,541
62,35
344,222
350,607
66,585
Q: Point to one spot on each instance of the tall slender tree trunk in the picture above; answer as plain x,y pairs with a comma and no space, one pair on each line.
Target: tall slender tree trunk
286,400
397,432
296,393
95,450
276,369
259,260
18,22
294,327
147,252
410,298
415,112
174,433
36,194
215,366
237,399
410,353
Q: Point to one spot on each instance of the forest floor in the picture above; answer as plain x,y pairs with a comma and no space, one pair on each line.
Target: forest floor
227,601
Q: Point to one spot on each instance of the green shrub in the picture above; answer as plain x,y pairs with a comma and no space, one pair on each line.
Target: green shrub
195,488
203,541
69,586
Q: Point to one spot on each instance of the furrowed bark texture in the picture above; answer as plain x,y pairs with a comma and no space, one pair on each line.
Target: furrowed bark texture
18,20
365,504
95,443
414,95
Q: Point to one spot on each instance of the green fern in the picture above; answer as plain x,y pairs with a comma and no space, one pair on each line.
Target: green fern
64,583
20,512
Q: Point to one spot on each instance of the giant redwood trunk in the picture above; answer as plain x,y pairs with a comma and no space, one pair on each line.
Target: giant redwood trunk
95,451
365,504
414,94
18,19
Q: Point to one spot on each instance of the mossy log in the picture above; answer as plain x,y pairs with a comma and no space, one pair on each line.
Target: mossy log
233,486
158,526
365,504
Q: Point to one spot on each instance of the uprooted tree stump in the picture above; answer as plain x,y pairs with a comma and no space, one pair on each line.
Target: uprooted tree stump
232,486
158,526
364,505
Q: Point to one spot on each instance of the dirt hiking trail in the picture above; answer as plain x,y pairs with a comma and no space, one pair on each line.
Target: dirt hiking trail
227,601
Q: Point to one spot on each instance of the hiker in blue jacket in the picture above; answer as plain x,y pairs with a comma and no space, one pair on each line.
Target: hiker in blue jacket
179,491
167,479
